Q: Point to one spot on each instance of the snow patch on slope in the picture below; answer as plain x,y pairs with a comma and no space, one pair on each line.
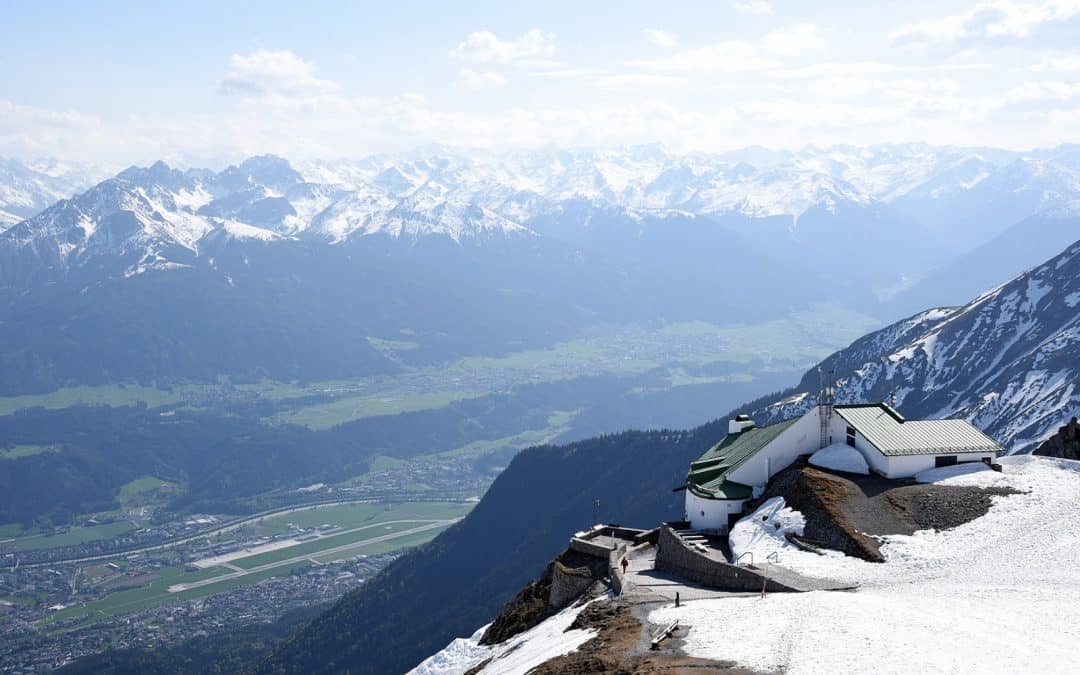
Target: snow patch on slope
764,531
545,641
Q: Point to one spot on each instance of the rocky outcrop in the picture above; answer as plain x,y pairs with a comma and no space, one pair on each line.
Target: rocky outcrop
818,496
565,579
1064,444
849,513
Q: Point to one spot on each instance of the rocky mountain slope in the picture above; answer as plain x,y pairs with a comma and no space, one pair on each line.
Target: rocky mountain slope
1004,361
26,188
1007,361
1065,443
1019,247
474,253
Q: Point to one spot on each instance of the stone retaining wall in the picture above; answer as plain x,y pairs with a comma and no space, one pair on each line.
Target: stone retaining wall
615,570
567,584
589,548
674,555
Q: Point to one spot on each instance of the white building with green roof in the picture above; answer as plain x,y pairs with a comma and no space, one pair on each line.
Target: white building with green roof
737,468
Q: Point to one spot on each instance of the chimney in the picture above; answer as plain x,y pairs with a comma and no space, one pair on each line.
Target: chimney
739,424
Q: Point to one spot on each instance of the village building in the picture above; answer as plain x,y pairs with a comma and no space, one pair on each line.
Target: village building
737,468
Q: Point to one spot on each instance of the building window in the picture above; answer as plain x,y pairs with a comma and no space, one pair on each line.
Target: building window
851,441
945,460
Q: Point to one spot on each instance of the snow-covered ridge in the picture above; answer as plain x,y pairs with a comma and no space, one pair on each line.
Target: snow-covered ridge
1008,362
476,196
28,187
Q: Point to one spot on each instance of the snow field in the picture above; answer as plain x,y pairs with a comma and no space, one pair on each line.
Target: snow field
840,457
998,594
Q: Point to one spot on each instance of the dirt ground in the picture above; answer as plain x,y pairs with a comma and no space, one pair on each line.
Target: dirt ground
622,648
848,512
884,507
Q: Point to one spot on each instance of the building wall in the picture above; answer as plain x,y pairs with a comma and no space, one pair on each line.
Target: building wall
711,514
900,466
801,438
909,465
878,462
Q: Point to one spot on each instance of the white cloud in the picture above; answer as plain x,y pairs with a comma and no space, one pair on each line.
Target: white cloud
482,80
996,21
274,74
767,89
755,7
484,47
660,38
867,68
1057,63
794,40
735,56
1043,92
635,81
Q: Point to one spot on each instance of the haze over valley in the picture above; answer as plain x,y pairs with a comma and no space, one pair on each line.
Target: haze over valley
323,329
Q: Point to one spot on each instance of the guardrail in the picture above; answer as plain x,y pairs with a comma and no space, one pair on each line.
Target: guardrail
663,633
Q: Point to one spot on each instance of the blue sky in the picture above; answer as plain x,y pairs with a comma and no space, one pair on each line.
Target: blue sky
203,83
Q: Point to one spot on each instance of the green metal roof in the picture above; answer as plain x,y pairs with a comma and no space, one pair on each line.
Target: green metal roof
708,475
892,435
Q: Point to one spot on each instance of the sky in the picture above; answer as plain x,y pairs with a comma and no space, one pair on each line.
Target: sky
205,83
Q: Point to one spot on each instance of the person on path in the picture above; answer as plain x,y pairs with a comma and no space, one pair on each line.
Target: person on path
624,566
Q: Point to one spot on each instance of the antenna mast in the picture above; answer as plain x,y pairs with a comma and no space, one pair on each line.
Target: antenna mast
825,404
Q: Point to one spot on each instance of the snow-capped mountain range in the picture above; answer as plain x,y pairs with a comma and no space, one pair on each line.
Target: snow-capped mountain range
28,187
1009,361
483,251
953,198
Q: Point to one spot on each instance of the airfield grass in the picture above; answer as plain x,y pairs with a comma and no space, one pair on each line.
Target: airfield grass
155,593
384,546
348,516
315,546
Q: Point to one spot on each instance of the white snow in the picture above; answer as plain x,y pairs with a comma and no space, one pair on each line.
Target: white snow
840,457
763,532
546,641
945,473
244,231
998,594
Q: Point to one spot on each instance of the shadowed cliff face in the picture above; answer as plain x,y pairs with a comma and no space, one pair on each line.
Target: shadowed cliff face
1064,444
462,579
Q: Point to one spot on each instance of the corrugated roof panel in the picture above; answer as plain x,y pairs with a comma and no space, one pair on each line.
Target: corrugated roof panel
915,437
708,474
